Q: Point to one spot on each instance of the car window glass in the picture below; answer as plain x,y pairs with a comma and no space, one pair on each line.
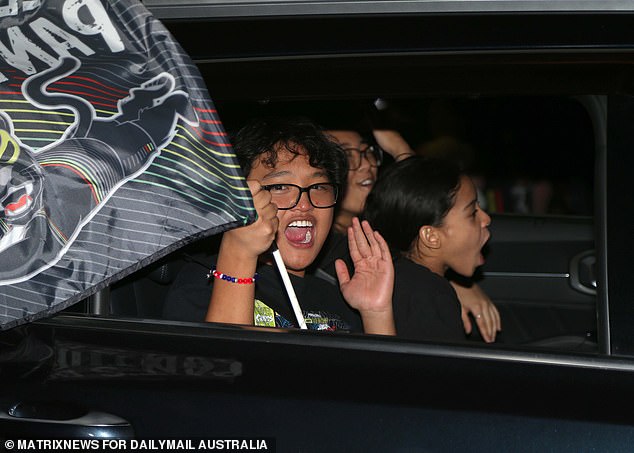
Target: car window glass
532,158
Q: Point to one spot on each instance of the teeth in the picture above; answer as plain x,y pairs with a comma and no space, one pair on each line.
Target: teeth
307,238
367,182
301,223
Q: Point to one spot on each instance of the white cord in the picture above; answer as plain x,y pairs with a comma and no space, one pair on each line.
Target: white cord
289,288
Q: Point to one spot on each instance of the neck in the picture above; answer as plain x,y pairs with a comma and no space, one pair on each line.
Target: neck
296,273
343,221
431,262
267,258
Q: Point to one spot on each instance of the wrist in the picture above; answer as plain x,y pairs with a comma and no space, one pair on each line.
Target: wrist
237,249
403,156
378,322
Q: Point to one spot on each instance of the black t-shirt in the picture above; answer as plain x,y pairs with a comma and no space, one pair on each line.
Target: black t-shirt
322,304
335,247
425,304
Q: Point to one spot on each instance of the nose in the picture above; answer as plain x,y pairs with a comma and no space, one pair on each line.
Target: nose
365,161
304,203
485,219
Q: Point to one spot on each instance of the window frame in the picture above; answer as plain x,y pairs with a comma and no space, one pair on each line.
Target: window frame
510,48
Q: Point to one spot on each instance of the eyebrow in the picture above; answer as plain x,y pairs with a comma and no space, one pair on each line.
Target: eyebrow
348,145
277,174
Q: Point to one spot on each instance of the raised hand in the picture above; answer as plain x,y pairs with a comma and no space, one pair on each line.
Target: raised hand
369,290
252,240
393,143
238,256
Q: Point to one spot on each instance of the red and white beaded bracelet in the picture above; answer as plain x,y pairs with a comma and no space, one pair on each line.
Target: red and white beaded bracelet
243,281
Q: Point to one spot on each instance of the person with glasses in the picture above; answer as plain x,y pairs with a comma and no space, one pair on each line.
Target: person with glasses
295,174
365,156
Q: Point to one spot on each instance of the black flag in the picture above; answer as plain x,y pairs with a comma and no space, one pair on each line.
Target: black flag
111,152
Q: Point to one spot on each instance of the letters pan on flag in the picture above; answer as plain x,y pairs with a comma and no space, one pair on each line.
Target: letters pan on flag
111,152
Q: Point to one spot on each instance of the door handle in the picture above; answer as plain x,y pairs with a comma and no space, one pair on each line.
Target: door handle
60,420
583,272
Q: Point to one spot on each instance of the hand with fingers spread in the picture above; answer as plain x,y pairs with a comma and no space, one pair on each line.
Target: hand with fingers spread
238,256
473,300
369,290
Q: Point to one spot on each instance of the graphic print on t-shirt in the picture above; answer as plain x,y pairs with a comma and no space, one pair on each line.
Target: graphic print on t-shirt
264,316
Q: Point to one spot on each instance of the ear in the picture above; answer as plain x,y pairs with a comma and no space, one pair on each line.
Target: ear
429,237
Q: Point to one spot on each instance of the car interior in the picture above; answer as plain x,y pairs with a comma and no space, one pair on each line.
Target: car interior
533,123
539,268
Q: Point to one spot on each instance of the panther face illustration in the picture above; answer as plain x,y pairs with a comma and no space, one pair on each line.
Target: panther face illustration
48,195
20,183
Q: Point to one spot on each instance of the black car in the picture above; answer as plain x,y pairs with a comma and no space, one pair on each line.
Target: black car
540,92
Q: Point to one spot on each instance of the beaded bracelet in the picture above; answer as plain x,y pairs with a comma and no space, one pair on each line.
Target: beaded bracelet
243,281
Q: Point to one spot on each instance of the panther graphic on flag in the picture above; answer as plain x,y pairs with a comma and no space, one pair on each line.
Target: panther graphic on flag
48,195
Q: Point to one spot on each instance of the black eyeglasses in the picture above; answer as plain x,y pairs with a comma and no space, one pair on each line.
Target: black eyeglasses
320,195
373,154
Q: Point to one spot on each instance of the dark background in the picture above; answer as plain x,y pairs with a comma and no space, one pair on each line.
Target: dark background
507,141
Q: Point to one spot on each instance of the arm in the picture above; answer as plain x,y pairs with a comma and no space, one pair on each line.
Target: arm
238,257
473,300
393,143
370,289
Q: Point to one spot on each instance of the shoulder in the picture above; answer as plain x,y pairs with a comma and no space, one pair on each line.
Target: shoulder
417,289
425,305
412,275
188,296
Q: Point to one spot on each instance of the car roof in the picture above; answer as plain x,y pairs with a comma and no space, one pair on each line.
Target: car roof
180,9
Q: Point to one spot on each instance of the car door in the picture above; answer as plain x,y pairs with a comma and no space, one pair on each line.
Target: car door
101,375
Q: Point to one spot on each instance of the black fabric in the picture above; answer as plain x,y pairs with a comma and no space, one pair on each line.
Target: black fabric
335,247
425,304
322,303
112,182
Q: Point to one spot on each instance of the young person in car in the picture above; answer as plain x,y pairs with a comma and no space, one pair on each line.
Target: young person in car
294,172
440,227
364,160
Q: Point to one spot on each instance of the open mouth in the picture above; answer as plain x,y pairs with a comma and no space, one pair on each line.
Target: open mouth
367,182
481,259
300,232
18,201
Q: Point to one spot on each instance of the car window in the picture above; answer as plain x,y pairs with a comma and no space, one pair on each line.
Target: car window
531,120
532,158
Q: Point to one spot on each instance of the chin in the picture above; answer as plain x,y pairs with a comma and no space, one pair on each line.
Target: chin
354,207
298,261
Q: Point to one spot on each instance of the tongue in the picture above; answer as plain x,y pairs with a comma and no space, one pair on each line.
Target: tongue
298,234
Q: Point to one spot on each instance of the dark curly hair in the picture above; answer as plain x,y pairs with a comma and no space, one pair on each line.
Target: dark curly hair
409,194
295,134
